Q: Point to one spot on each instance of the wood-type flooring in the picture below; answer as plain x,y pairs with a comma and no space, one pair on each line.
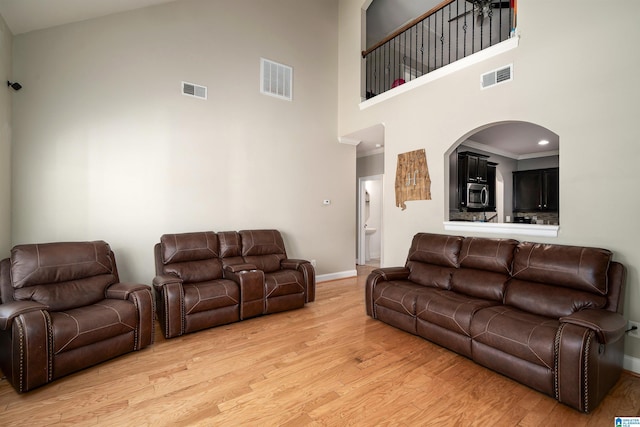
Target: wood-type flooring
327,364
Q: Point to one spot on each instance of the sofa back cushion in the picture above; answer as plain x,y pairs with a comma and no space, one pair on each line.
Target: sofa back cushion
230,247
435,249
193,257
430,275
488,254
188,247
576,267
479,283
263,248
62,275
550,300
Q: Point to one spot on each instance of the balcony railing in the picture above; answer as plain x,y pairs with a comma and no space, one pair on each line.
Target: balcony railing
451,31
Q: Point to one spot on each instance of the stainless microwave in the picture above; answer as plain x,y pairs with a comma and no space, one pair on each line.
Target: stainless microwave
477,195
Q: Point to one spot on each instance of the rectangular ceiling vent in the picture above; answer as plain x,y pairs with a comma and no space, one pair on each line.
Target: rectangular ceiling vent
197,91
500,75
276,79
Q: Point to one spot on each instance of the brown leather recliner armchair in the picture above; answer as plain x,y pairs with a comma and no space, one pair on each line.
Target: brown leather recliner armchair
64,309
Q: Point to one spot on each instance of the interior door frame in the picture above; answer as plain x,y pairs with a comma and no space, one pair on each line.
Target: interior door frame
360,259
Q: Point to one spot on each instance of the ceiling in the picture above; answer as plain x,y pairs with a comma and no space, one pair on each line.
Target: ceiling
517,140
23,16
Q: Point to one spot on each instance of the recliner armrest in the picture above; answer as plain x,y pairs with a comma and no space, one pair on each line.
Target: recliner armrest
608,326
293,264
165,279
393,273
250,280
10,310
236,268
381,275
141,297
309,273
123,290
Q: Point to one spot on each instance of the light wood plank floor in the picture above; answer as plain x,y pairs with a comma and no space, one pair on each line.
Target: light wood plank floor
325,365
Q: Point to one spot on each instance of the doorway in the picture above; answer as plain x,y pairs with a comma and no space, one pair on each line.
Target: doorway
370,200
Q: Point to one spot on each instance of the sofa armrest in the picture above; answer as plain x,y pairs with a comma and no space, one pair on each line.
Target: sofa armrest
16,308
381,275
608,326
250,280
27,355
124,290
392,273
308,273
236,268
292,264
164,279
142,298
170,304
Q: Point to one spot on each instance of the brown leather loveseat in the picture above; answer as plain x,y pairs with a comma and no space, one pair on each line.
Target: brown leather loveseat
207,279
548,316
63,309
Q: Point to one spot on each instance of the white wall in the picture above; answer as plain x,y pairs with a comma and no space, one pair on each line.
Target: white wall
5,139
560,69
106,147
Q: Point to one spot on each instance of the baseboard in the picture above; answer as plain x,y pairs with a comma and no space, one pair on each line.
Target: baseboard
335,276
631,364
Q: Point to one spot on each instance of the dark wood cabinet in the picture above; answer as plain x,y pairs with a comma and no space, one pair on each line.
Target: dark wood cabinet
472,167
550,195
491,184
536,190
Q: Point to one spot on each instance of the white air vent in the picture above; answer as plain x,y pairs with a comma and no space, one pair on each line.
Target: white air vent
276,79
194,90
492,78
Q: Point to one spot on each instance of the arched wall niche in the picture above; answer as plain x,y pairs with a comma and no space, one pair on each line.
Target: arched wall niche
507,147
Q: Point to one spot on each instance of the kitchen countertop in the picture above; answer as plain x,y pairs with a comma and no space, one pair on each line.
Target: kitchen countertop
509,228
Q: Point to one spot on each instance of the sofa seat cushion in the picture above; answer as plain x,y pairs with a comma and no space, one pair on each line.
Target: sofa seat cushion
397,295
523,335
283,282
205,296
448,309
83,326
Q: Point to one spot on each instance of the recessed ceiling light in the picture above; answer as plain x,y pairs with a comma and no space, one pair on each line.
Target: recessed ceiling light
543,142
378,145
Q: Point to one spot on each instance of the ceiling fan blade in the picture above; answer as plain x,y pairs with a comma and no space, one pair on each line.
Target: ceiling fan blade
455,18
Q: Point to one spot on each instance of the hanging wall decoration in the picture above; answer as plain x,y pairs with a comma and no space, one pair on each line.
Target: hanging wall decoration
412,178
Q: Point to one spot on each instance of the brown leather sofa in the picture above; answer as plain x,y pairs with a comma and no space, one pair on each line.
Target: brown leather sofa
207,279
548,316
63,309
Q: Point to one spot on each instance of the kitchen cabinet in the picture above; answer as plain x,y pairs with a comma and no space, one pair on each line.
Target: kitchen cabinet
536,190
475,168
472,167
491,184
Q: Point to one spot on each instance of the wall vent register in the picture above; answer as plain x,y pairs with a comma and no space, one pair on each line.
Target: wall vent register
276,79
500,75
191,89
